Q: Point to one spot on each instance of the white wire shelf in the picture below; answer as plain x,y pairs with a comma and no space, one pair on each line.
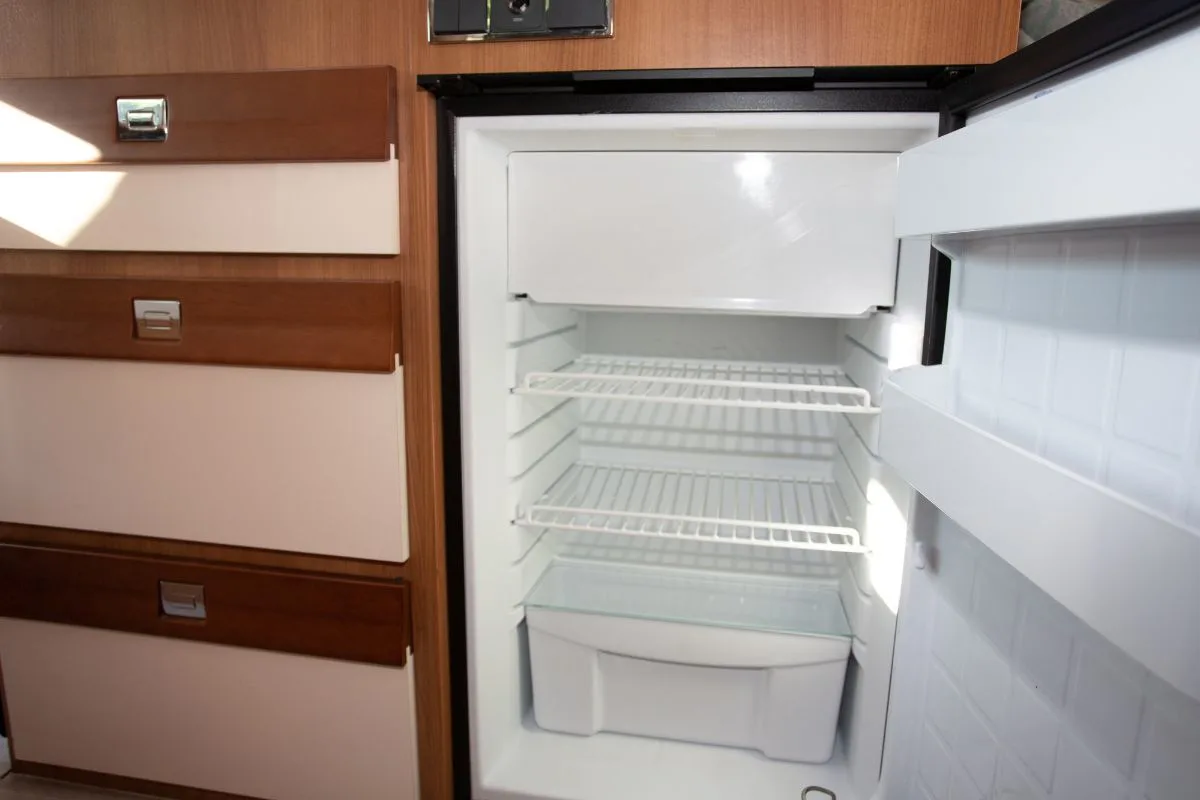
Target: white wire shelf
733,384
687,505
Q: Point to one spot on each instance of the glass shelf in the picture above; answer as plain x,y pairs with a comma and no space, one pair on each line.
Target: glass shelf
668,595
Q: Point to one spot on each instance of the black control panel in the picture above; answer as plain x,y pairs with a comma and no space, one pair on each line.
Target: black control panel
458,20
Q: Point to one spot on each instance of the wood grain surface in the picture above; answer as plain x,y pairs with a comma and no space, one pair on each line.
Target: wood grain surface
45,38
338,325
346,114
652,34
317,615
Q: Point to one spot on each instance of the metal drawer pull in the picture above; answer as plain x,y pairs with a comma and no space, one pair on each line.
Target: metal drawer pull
182,600
805,794
142,119
157,319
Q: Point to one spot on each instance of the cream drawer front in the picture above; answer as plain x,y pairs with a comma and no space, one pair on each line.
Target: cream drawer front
784,233
304,461
224,208
246,722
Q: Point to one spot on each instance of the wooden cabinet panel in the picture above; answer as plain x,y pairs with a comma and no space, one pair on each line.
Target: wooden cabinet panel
339,325
281,115
315,615
766,33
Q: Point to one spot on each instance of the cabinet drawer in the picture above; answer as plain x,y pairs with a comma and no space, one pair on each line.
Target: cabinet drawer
246,722
318,615
781,233
297,161
301,461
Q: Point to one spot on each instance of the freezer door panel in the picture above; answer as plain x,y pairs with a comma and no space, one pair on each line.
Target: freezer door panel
782,233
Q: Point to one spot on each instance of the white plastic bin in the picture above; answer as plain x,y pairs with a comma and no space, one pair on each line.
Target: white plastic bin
729,660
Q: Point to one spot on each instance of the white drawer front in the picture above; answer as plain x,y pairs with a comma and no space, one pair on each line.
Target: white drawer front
303,461
247,722
785,233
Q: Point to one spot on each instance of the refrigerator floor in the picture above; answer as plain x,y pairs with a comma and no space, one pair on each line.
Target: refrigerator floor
541,765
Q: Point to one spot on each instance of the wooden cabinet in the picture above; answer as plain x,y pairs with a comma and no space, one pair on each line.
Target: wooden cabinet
266,684
77,38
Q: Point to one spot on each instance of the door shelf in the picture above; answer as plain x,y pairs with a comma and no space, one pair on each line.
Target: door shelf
688,505
730,384
1124,569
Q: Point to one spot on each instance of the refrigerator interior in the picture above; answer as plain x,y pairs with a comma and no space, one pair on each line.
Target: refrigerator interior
580,468
678,447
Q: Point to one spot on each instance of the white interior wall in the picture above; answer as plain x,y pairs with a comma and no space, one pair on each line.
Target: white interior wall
727,337
868,349
1000,692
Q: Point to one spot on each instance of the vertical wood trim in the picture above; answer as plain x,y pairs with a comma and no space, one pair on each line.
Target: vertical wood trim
423,408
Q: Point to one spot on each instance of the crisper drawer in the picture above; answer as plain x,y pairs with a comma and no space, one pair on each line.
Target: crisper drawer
782,233
298,460
247,722
702,657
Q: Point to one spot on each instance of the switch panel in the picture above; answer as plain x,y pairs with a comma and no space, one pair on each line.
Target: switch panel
584,14
482,20
472,16
444,18
518,16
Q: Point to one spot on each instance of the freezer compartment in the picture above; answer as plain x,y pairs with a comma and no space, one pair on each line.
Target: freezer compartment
740,661
749,232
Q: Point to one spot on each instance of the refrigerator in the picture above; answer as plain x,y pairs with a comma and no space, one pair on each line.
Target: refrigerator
828,432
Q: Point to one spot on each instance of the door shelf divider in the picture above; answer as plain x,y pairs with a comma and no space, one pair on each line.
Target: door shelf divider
697,506
793,387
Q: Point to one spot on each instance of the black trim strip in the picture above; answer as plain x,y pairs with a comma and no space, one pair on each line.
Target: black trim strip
833,99
1117,25
456,565
665,81
937,296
